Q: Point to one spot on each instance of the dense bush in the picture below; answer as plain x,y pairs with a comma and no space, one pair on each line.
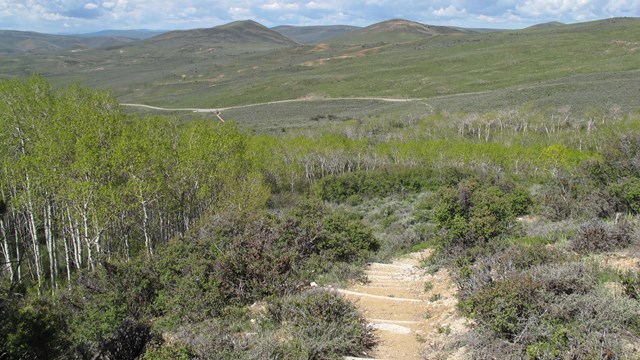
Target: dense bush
502,262
627,193
33,328
129,340
598,236
550,311
473,214
631,283
323,325
576,195
339,188
346,239
113,296
504,307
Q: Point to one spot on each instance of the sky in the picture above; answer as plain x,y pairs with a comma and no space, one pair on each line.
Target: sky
85,16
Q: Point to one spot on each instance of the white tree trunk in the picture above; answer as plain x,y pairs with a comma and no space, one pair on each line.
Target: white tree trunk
5,249
85,223
48,235
145,229
67,262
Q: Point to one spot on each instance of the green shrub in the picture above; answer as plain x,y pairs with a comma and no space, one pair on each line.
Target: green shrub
33,328
550,311
627,192
497,264
338,188
190,286
631,283
504,307
520,202
346,239
106,297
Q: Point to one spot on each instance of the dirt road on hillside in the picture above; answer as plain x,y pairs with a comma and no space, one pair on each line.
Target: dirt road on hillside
219,110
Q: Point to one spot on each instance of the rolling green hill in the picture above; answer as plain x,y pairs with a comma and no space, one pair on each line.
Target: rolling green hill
239,32
594,64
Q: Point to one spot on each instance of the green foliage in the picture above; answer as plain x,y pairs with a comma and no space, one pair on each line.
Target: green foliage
107,304
520,201
627,191
346,239
550,311
190,288
339,188
630,281
33,328
502,307
473,214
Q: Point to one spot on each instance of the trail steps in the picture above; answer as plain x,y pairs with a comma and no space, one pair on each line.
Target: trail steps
411,323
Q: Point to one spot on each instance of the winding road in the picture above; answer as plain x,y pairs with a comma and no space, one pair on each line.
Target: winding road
219,110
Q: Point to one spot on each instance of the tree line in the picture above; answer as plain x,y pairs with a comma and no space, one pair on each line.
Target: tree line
81,180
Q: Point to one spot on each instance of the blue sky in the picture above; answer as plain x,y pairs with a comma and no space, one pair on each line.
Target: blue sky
81,16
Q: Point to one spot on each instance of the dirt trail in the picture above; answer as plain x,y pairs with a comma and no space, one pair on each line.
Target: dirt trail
412,323
303,99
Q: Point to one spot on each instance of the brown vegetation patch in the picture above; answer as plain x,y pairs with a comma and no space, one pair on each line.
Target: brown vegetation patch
353,55
320,47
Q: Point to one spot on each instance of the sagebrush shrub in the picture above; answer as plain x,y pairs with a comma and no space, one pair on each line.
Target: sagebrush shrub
631,283
598,236
324,323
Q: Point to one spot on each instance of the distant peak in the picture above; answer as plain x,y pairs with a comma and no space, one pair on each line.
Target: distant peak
546,25
242,23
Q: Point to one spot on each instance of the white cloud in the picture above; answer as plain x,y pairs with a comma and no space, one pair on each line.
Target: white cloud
237,11
90,6
276,6
108,5
449,11
319,5
538,8
622,6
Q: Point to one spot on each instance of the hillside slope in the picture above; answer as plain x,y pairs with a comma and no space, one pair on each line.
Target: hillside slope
247,63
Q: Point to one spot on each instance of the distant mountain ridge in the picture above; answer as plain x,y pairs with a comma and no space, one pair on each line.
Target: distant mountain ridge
237,32
250,32
138,34
397,30
314,34
19,42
